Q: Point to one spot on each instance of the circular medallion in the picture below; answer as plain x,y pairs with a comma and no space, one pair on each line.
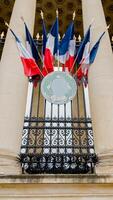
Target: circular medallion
58,87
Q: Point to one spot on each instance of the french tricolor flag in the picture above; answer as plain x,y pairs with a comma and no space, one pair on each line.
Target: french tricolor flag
88,59
82,58
67,48
85,42
29,64
51,48
85,59
94,49
30,44
71,52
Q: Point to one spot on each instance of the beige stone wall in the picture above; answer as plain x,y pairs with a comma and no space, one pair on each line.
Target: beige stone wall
56,187
56,191
101,86
13,89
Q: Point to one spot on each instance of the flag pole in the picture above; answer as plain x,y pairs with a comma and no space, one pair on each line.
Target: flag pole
74,15
7,25
42,16
73,18
58,48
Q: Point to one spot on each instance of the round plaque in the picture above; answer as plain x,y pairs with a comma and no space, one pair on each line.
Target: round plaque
58,87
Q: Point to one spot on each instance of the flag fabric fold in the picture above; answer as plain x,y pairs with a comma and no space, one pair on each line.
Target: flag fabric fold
30,44
67,45
51,48
82,58
85,62
71,52
83,45
88,59
29,64
94,49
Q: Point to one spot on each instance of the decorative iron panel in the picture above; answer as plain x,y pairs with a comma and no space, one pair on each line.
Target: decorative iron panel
58,138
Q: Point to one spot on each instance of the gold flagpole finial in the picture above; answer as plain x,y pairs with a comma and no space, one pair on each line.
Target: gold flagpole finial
2,35
79,38
7,24
59,36
75,38
112,38
63,35
42,14
37,36
57,12
74,14
41,37
108,27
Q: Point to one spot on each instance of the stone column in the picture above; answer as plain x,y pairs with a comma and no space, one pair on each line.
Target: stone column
101,87
13,89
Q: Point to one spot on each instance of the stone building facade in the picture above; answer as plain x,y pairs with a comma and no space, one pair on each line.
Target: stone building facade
13,93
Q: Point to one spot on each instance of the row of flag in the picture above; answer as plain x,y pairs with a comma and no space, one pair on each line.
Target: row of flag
76,62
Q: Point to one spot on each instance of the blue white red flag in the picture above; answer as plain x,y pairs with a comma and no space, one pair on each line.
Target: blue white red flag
65,43
82,58
94,49
29,64
52,46
71,52
88,59
85,42
85,62
30,44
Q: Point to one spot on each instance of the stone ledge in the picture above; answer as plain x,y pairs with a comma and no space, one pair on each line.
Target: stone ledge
59,178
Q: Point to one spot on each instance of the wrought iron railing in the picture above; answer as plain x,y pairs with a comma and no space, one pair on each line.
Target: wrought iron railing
58,146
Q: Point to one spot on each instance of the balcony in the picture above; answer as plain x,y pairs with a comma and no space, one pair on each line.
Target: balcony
58,146
58,139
